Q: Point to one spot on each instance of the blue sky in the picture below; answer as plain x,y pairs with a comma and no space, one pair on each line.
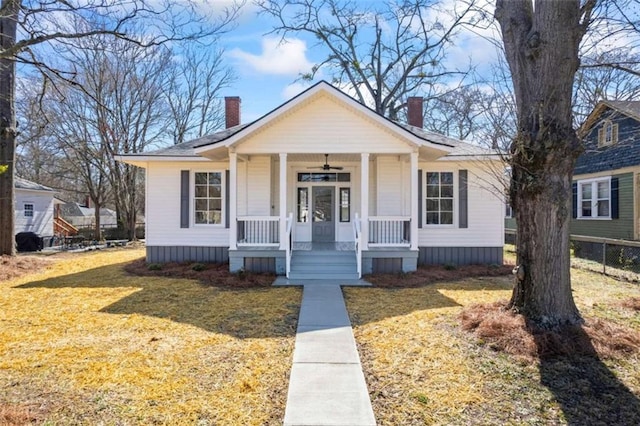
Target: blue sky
267,70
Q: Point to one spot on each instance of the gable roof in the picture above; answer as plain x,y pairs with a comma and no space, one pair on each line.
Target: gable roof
20,183
629,108
72,209
323,87
624,153
415,136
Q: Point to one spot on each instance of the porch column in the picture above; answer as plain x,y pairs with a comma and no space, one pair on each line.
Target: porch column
414,200
364,199
283,201
233,195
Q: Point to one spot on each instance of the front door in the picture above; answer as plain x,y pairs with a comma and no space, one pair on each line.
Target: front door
322,225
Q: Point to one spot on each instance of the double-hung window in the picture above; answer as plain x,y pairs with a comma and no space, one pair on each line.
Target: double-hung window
208,198
439,199
608,133
594,198
28,210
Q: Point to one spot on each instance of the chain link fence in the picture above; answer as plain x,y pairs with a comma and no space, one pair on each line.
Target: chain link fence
620,258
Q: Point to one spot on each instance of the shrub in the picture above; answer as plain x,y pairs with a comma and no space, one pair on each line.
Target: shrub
198,267
154,267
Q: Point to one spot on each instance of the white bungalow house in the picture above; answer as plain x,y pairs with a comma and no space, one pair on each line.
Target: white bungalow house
34,208
322,186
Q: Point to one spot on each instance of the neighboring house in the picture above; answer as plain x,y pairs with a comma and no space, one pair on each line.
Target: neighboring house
319,172
83,216
35,206
606,177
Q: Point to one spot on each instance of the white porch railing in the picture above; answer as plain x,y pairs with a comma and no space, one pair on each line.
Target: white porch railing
258,231
288,243
389,231
357,235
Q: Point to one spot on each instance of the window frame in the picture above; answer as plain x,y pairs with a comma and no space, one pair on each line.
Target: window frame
346,190
193,197
299,190
455,200
508,210
594,198
28,208
608,133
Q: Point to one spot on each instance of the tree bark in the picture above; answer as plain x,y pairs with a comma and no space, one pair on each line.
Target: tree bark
541,47
8,28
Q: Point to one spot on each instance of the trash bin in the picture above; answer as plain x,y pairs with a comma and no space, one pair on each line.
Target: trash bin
28,241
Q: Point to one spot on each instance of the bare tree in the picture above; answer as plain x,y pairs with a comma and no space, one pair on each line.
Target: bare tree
598,79
381,51
458,113
119,107
542,48
196,78
40,25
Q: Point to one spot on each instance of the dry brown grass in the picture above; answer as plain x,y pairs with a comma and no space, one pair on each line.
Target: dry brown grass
85,343
422,368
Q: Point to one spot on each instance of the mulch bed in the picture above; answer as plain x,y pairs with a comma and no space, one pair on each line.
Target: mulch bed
429,274
17,266
211,274
506,331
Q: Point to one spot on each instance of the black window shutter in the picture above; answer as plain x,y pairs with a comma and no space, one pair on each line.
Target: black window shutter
184,198
227,218
615,211
463,202
419,198
574,203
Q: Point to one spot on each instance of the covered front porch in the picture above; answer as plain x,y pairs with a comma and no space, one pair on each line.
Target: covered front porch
353,217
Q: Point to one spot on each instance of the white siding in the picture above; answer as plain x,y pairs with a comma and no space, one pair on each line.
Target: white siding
321,123
485,210
259,186
42,221
391,186
163,208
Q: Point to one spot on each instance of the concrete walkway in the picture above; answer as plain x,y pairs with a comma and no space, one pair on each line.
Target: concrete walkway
327,385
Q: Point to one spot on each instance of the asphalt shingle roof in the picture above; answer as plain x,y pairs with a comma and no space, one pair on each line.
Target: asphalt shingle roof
20,183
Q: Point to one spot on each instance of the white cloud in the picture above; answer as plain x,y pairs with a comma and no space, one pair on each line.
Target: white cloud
293,89
287,57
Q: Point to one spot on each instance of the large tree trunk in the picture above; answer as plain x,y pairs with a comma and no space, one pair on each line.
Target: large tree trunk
541,46
8,20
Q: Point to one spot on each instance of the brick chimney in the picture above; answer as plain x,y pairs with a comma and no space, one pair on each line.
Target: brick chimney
232,111
87,201
414,111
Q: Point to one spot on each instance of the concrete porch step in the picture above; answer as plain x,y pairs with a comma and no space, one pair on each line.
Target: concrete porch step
322,276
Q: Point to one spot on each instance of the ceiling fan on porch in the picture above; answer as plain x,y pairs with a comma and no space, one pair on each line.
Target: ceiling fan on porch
326,165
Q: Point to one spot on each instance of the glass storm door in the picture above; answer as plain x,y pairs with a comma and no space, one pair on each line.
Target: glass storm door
323,224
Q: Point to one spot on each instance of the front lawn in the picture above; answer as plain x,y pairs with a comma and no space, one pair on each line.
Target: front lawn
421,368
82,342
